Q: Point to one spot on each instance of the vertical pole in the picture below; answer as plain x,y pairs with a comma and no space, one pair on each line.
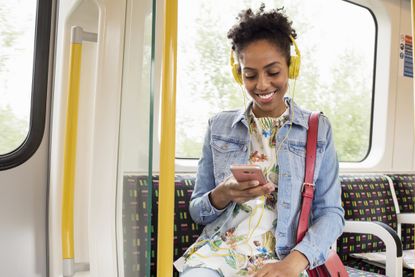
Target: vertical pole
69,155
167,147
70,148
413,65
69,267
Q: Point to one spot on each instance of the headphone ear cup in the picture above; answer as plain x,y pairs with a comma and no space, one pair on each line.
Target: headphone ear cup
294,69
236,75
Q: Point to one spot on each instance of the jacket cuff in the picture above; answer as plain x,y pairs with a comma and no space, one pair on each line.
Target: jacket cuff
207,207
311,252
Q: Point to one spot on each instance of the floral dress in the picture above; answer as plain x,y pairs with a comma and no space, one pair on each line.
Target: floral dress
247,241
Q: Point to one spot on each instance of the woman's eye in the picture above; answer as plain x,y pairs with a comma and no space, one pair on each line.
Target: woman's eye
249,77
274,73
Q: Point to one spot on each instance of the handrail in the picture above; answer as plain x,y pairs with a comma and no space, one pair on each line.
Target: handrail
69,155
167,143
389,237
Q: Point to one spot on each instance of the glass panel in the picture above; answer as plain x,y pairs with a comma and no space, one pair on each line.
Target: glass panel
17,30
135,156
336,74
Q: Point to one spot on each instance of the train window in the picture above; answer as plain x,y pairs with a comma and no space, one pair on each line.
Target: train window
337,70
24,59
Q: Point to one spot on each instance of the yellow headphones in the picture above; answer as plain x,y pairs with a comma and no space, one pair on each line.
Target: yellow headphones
293,70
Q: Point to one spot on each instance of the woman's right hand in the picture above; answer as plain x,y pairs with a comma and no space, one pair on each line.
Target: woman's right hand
232,191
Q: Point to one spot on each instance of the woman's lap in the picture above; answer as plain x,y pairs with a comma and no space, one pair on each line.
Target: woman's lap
199,272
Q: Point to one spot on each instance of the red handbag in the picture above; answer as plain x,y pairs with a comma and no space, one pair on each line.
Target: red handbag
333,267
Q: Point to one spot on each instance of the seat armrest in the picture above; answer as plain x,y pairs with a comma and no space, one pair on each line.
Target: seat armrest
406,218
387,235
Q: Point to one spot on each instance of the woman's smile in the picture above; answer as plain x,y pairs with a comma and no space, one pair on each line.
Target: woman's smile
265,98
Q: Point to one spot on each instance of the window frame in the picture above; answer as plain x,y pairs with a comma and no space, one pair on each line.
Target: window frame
40,82
372,110
187,163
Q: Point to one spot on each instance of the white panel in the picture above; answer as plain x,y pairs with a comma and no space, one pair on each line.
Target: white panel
136,89
23,206
102,235
404,120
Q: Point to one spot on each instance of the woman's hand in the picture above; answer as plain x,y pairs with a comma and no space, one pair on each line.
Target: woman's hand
291,266
230,190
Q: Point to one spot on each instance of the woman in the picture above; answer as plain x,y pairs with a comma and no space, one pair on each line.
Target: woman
250,228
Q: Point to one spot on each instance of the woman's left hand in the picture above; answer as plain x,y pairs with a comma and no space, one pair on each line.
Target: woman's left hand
291,266
277,269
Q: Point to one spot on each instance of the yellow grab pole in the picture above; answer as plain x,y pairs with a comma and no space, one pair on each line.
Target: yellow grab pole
413,58
167,144
69,154
413,61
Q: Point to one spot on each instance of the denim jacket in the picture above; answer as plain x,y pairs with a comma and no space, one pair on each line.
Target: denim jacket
226,143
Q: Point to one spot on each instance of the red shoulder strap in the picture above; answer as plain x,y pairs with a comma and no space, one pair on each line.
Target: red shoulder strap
308,186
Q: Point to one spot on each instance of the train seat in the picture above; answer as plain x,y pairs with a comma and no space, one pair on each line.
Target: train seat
370,199
404,185
135,203
134,217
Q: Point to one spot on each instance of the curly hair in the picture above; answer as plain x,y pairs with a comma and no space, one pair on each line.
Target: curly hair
273,26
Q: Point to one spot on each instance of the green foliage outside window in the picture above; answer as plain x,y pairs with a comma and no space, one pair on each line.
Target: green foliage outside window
12,130
16,25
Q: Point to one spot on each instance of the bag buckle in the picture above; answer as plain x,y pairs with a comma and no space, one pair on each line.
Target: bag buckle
307,185
308,193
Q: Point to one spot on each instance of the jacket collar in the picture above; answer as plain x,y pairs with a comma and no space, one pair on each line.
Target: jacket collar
300,115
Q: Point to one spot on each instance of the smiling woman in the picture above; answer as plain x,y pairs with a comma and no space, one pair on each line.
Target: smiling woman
233,209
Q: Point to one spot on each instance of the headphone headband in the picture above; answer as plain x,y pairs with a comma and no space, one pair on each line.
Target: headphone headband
297,51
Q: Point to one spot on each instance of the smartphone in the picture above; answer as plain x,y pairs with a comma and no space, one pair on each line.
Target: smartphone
248,172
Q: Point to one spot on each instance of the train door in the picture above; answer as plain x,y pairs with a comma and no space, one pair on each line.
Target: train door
112,134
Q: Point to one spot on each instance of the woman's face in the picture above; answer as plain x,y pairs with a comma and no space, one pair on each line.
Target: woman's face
265,75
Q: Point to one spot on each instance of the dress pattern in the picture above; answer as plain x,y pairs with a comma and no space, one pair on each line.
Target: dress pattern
246,242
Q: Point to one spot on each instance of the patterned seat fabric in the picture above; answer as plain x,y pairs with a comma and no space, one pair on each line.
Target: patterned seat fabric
134,213
366,198
404,185
135,203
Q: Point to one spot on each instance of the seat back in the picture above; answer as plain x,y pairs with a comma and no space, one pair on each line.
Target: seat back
135,204
404,185
365,198
134,214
